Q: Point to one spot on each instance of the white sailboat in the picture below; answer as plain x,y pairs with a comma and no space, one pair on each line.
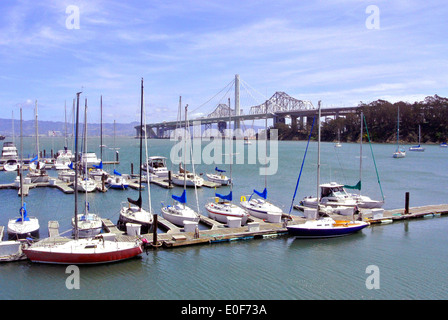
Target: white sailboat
223,208
418,148
219,177
260,207
87,224
179,212
23,226
37,172
132,211
399,152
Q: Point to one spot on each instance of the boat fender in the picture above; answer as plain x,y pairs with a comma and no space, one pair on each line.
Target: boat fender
243,199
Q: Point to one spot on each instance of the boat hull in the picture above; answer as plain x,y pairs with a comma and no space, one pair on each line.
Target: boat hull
178,218
57,257
302,231
220,215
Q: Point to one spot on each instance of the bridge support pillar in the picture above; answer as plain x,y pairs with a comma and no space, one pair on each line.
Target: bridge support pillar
294,123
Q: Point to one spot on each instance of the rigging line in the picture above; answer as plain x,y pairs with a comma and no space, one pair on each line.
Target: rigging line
301,168
229,84
373,157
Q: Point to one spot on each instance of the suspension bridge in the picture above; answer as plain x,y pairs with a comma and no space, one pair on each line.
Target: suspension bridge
279,107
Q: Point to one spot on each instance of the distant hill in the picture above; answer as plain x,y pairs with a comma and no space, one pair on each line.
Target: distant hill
58,127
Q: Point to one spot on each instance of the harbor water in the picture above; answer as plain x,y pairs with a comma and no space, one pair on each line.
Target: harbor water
410,257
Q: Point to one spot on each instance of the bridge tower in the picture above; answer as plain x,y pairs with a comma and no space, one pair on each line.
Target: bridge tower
237,101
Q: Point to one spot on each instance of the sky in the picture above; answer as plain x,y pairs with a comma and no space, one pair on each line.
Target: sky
339,51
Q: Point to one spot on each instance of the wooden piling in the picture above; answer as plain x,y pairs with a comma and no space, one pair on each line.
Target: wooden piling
406,203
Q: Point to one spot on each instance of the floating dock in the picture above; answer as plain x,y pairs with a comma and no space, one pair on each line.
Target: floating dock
259,229
255,228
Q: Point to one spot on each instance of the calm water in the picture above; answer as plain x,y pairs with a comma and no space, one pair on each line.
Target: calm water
411,256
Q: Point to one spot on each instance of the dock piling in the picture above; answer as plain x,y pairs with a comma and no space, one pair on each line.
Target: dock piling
406,203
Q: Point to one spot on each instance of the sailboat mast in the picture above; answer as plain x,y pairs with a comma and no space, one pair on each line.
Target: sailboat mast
37,132
85,169
141,141
21,164
101,127
318,156
360,152
230,148
76,165
185,150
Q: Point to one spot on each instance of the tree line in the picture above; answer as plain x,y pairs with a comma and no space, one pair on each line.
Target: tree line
381,117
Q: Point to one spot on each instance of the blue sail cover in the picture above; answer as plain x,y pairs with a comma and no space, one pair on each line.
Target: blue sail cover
34,159
25,218
100,166
227,197
219,170
71,165
263,194
117,173
181,199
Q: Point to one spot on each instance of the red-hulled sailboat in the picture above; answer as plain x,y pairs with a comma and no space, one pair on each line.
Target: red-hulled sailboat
82,251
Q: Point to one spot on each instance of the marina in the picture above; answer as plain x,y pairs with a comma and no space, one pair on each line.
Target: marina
212,235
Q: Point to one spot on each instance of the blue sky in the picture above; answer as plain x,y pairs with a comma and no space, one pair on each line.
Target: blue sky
313,50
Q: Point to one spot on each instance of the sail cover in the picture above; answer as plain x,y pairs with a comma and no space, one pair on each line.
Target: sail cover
137,202
100,166
181,199
356,186
219,170
227,197
25,217
34,159
263,194
117,173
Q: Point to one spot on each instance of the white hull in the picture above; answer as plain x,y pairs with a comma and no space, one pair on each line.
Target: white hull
22,229
178,214
399,154
86,185
117,182
191,180
89,225
134,214
221,210
218,178
260,208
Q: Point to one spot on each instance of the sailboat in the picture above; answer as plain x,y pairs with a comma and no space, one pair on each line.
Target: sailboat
132,211
399,152
23,226
323,227
86,224
219,177
97,172
260,207
185,177
117,181
223,207
37,172
335,195
85,183
179,212
85,250
419,147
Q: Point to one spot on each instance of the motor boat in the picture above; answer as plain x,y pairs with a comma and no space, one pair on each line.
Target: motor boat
156,165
